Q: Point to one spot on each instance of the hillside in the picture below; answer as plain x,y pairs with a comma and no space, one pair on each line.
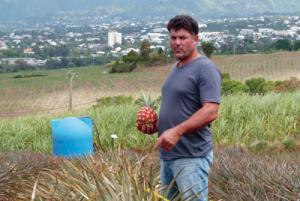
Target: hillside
29,95
11,10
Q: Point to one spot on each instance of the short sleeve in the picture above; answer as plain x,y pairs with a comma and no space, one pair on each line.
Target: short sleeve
209,84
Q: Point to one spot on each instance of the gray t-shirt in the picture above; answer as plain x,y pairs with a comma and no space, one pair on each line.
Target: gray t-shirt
183,93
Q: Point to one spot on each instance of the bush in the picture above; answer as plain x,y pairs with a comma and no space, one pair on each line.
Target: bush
272,85
131,57
259,146
256,86
289,143
225,76
121,67
290,85
157,58
233,87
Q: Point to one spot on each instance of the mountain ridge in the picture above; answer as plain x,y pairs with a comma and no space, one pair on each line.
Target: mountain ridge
12,10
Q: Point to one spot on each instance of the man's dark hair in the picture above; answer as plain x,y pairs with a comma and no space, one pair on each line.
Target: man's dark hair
183,22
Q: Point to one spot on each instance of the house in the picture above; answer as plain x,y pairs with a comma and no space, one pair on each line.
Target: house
3,45
246,32
28,51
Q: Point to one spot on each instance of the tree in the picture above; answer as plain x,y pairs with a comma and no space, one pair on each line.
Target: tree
62,51
297,45
160,51
64,62
283,44
10,53
208,48
131,57
145,50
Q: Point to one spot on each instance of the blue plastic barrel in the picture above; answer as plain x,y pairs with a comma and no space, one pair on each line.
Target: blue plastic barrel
72,136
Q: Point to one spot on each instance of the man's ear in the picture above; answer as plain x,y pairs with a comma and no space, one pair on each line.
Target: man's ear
196,39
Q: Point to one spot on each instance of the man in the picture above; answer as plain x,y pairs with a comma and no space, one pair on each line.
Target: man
190,102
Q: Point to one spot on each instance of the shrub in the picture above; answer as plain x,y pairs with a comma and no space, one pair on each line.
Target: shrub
157,59
289,143
225,76
233,87
292,84
259,146
272,85
131,57
122,67
256,86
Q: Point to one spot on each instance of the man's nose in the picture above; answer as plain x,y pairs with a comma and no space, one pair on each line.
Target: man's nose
178,41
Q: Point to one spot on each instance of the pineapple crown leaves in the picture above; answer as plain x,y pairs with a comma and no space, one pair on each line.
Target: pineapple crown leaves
146,100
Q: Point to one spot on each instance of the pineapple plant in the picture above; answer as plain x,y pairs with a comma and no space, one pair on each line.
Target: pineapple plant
146,117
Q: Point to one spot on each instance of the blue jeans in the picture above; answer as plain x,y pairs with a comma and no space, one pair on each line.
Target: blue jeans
189,177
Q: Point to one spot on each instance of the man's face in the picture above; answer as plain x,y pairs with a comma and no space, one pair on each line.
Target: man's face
183,43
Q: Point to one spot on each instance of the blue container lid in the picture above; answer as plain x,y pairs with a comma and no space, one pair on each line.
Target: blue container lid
71,128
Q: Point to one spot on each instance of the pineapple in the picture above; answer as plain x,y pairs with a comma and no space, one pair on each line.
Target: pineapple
146,117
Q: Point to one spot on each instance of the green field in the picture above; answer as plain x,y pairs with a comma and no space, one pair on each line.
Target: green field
30,95
243,120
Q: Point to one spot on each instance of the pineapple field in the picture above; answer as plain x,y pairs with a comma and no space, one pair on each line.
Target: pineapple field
256,136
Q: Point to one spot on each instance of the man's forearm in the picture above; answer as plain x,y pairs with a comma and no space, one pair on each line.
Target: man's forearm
201,118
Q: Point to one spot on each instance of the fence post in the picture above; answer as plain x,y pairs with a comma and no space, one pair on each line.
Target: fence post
70,75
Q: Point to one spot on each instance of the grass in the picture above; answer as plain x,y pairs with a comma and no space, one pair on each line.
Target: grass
246,119
243,119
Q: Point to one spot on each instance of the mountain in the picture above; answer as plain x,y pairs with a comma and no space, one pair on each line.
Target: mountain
11,10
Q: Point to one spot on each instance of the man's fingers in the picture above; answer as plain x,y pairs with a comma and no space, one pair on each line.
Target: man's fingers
163,144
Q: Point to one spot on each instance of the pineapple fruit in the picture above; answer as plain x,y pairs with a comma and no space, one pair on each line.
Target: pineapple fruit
146,117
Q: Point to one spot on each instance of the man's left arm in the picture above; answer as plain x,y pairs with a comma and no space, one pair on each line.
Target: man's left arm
205,115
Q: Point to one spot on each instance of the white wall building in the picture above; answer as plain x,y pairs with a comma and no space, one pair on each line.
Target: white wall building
114,38
211,36
3,45
246,32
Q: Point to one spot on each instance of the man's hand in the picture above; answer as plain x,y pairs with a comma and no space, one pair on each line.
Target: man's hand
168,139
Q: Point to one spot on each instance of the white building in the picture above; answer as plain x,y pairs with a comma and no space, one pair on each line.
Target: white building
114,38
265,31
246,32
280,34
211,36
28,61
156,37
3,45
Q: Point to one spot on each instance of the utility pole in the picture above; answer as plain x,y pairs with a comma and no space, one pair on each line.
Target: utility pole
70,75
234,45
